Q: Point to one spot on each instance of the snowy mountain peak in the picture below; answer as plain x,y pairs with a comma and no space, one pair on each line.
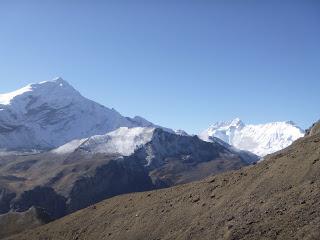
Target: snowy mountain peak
237,123
47,90
58,79
57,83
291,123
261,139
49,114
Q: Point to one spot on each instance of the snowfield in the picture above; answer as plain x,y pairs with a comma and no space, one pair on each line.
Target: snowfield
123,141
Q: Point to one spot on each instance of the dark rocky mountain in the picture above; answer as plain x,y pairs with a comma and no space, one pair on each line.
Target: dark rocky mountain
278,198
85,172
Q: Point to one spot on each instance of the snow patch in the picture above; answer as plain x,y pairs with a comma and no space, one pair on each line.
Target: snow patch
123,141
6,98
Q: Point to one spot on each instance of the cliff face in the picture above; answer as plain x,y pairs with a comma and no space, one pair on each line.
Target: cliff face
42,197
5,198
114,178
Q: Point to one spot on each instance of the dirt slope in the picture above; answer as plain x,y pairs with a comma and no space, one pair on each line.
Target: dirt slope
276,199
15,222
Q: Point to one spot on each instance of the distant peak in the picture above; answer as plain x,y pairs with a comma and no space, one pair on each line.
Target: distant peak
57,80
57,83
56,88
291,123
233,123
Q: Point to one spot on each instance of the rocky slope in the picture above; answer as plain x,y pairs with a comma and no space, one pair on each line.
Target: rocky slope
261,139
14,222
49,114
89,170
278,198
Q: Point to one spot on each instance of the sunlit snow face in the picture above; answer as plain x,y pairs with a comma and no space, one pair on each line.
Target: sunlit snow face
261,139
123,141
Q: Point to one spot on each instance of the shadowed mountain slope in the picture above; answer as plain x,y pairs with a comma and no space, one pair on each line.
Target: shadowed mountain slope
278,198
87,171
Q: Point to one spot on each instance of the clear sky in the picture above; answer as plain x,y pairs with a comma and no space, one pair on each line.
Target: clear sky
180,64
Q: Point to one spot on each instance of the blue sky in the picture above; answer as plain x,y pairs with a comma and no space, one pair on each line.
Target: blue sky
181,64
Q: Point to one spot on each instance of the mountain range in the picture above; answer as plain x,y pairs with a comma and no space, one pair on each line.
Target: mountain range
260,139
278,198
81,173
61,152
49,114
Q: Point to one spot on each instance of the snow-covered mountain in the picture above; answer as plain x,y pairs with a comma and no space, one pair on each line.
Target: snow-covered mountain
123,141
260,139
51,113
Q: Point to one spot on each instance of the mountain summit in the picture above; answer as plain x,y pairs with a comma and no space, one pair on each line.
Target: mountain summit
261,139
49,114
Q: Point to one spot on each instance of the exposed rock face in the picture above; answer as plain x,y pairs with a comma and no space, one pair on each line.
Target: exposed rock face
42,197
5,198
278,198
116,177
